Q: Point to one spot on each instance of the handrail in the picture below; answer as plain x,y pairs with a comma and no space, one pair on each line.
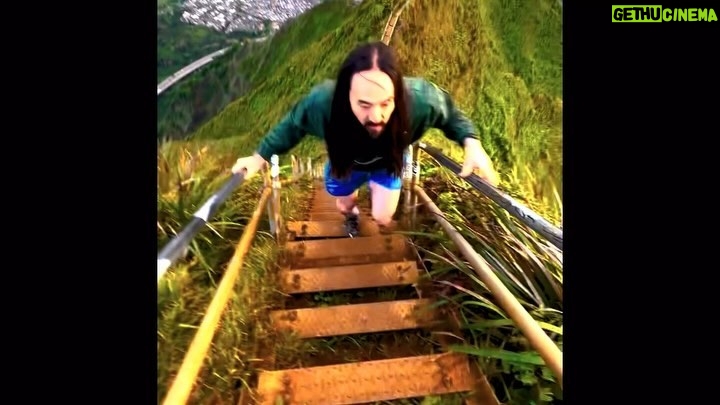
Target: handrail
175,248
192,362
392,21
519,211
185,380
189,68
537,337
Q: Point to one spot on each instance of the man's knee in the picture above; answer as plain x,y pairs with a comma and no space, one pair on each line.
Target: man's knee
384,203
345,204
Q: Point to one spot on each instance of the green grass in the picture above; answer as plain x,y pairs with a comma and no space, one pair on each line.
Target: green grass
501,60
528,265
187,289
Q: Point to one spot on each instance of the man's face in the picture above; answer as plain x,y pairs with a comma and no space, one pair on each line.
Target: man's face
372,98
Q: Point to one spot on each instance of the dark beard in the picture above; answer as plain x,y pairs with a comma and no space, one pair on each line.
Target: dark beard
375,131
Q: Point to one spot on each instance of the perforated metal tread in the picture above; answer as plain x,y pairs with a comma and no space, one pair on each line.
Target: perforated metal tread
347,251
329,229
297,281
370,381
332,214
355,318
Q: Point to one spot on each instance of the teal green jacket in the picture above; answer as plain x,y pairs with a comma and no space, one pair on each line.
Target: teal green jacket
431,107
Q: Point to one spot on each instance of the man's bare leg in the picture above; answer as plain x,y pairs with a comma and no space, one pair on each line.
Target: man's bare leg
348,204
384,205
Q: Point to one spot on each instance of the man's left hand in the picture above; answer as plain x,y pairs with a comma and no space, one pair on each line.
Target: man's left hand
477,158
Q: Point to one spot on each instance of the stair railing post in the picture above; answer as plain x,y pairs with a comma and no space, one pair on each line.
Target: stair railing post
407,177
295,167
415,181
321,168
267,183
276,225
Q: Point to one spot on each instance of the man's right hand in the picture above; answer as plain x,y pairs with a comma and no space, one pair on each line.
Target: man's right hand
249,165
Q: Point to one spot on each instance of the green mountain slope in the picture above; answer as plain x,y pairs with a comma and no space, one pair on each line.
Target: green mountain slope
200,96
502,61
180,43
197,97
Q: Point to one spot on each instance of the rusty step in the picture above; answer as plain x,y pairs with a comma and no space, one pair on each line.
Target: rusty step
324,216
352,319
322,194
323,207
328,203
323,200
329,229
368,382
348,277
332,200
332,215
328,199
347,251
334,210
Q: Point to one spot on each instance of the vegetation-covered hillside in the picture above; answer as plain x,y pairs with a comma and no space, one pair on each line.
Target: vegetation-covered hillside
196,98
179,43
502,62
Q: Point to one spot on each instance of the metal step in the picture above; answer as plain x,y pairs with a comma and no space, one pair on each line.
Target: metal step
368,382
325,216
347,251
332,214
329,229
355,318
348,277
323,207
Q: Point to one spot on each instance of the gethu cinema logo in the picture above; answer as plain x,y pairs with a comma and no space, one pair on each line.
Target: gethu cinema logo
659,14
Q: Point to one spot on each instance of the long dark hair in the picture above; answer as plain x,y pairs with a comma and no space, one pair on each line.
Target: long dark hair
341,137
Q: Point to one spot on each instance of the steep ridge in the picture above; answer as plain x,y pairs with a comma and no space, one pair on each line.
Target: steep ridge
498,59
501,61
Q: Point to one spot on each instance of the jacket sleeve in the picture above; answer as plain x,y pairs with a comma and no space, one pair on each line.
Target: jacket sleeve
445,116
302,119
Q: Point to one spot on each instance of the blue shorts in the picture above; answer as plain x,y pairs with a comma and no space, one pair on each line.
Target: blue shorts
342,188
